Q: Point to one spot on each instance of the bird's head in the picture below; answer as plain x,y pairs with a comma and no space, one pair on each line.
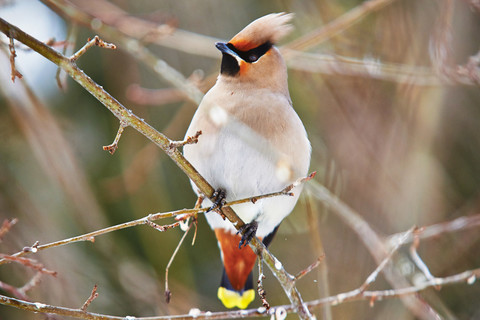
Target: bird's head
251,57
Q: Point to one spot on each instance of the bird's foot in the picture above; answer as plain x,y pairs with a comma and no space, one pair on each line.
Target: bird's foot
248,231
218,199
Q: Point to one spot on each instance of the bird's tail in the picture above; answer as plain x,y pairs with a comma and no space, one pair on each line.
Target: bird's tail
236,298
237,291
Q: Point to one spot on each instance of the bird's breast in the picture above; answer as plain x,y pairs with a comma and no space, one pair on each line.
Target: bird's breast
252,143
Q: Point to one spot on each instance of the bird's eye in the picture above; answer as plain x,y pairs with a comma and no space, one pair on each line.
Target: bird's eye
252,58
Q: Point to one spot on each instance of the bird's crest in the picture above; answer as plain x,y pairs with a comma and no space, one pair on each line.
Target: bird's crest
270,28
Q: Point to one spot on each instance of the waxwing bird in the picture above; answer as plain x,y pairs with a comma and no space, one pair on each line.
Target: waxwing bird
252,143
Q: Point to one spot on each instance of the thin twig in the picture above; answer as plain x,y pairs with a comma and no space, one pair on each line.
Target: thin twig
416,257
198,205
254,199
29,263
113,147
308,269
435,230
22,291
373,276
260,289
13,54
60,76
96,41
188,140
300,181
14,291
32,283
284,192
164,227
195,222
168,293
93,296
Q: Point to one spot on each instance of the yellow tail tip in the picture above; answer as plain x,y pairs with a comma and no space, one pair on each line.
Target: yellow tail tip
232,298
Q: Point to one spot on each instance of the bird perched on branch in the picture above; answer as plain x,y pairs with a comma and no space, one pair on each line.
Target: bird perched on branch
252,143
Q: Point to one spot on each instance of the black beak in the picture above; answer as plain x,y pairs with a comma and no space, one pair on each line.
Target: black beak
225,49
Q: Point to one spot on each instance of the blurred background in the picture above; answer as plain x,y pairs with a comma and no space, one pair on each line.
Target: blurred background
395,131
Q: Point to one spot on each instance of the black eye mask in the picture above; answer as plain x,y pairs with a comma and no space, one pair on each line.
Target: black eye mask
251,55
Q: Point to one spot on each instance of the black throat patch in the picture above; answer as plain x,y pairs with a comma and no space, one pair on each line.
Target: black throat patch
230,65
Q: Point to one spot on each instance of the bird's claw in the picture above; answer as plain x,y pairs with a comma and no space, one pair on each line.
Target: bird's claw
218,199
248,231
